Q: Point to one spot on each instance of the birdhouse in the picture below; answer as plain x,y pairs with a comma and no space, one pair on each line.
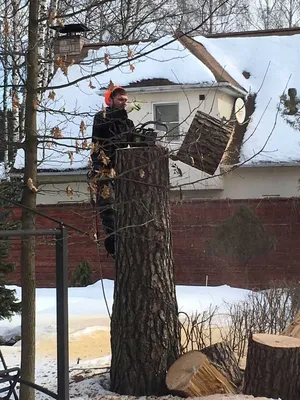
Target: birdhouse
70,41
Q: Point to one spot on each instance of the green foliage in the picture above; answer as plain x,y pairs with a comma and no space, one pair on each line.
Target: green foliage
82,275
9,304
242,237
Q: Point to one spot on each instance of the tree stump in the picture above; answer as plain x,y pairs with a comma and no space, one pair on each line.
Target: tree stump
145,338
273,367
222,356
194,375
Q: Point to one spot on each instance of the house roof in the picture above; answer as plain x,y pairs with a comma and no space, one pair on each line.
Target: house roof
272,62
199,51
257,33
166,60
269,62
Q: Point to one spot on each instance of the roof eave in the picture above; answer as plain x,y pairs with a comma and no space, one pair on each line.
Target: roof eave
79,171
222,86
283,164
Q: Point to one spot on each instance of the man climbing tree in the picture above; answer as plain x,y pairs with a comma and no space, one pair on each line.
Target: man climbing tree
145,337
112,129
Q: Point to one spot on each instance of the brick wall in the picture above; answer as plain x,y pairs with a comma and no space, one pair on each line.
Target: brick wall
193,226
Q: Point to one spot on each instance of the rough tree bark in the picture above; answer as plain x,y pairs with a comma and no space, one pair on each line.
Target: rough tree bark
145,335
273,367
225,361
29,200
15,71
5,89
205,143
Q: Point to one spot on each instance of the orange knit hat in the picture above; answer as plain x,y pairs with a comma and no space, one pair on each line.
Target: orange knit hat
108,93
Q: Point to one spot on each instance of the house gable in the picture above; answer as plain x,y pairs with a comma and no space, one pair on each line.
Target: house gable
199,51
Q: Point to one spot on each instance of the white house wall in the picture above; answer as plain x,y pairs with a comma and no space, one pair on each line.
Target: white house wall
259,182
188,101
216,103
253,183
243,183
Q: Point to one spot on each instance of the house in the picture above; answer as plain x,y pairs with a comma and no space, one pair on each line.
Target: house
172,79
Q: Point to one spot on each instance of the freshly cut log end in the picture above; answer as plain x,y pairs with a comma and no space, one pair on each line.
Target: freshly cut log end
194,375
273,367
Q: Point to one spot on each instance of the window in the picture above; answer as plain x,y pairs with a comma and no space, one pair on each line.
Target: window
169,115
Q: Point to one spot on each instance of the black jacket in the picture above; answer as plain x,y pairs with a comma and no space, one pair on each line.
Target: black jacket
112,129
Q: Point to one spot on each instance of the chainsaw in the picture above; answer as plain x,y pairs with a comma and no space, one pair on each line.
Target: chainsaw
146,136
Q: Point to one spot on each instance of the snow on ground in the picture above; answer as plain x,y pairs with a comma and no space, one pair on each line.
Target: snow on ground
89,301
89,334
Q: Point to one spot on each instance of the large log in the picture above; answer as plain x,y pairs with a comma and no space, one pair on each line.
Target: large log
194,375
273,367
293,329
145,337
222,356
205,143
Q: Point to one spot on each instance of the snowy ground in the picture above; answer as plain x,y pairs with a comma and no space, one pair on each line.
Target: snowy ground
89,334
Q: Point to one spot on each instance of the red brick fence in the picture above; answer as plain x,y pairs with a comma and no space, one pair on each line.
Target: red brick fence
193,226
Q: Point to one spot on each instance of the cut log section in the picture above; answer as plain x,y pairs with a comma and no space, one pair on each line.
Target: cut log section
273,367
293,329
205,143
194,375
222,356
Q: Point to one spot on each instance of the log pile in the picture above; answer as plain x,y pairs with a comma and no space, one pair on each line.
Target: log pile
272,370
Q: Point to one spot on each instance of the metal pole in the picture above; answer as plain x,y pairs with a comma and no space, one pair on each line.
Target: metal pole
28,232
62,315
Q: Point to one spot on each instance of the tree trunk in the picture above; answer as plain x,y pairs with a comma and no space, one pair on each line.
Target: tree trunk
222,356
5,89
193,374
273,367
145,335
28,218
15,72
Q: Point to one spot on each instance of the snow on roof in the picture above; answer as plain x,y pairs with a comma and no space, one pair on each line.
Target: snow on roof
80,101
272,62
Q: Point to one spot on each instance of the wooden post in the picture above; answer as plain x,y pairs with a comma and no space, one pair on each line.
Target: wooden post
144,327
273,367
